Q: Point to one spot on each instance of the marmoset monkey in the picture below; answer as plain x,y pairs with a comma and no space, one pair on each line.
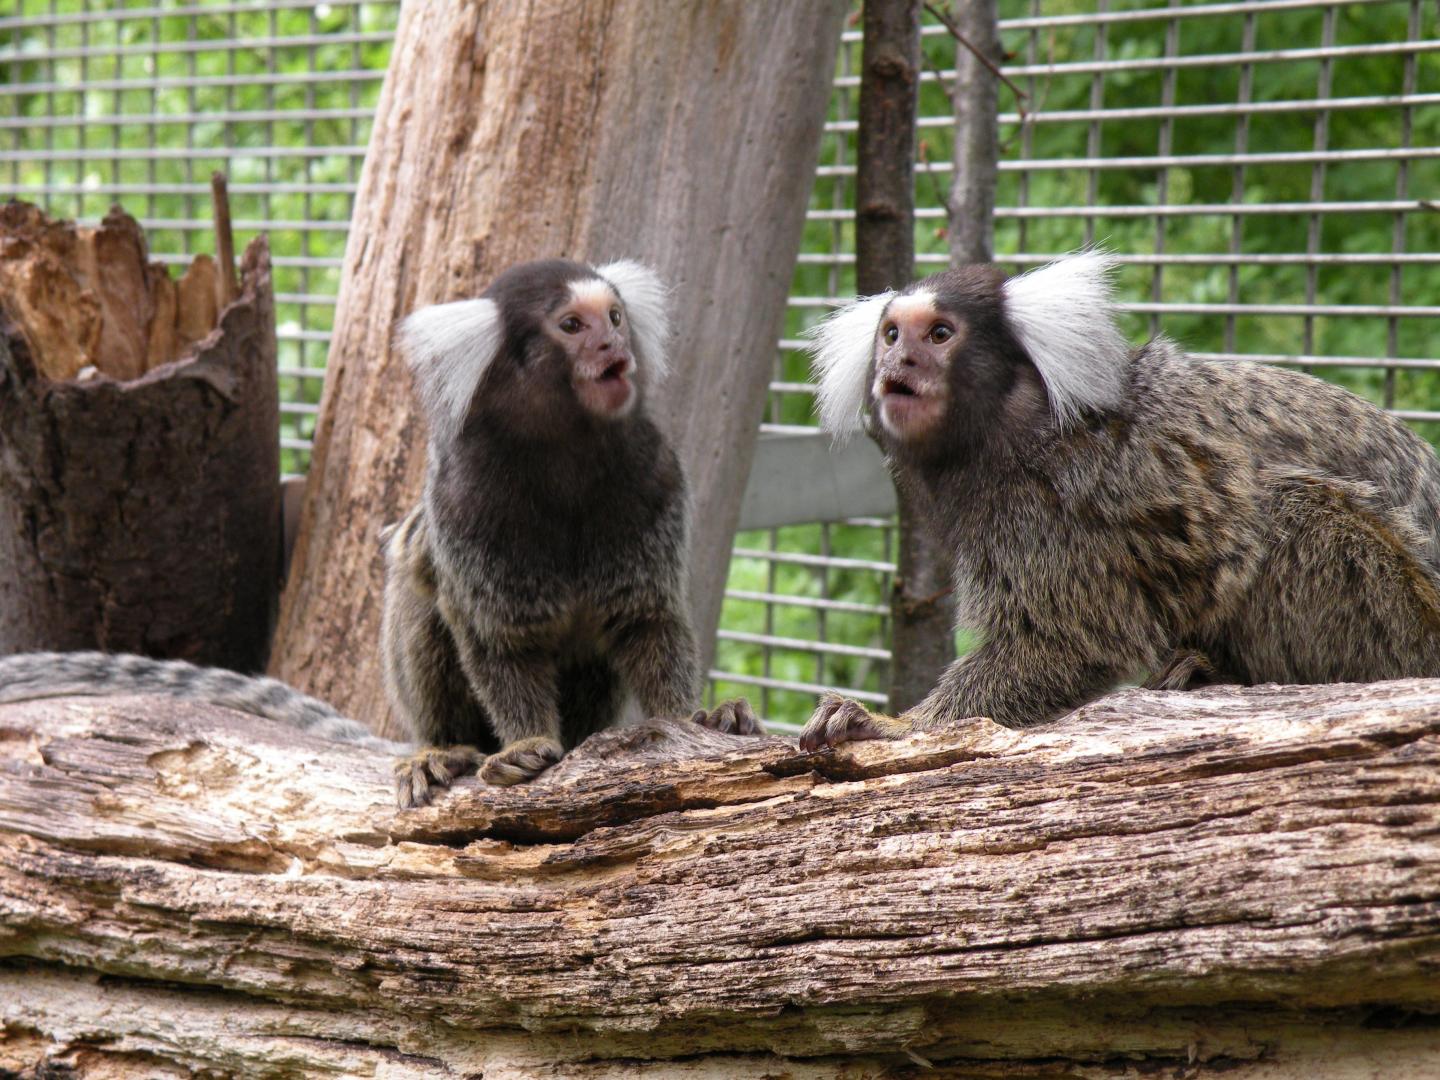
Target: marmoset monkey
541,581
1113,510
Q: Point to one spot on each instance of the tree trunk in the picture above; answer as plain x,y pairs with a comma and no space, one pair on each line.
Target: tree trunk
922,610
139,447
976,93
683,135
1237,883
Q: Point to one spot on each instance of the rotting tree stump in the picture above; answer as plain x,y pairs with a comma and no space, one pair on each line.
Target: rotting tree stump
1237,883
139,447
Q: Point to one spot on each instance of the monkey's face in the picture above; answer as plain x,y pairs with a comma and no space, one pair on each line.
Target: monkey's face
550,342
593,335
914,347
968,358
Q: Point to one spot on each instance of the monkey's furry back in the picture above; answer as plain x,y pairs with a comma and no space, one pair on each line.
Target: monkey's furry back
1281,526
30,676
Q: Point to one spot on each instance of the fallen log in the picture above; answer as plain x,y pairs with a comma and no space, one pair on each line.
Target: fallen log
1236,882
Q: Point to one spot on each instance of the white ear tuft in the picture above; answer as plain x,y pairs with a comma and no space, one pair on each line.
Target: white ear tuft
1063,316
646,302
448,348
840,353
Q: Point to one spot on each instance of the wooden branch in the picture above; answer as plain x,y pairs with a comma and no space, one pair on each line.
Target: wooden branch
224,239
1236,882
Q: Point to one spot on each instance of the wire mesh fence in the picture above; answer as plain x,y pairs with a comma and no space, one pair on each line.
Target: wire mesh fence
1268,171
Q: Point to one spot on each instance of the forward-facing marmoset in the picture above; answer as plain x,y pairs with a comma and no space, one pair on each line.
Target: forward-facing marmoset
1115,511
541,581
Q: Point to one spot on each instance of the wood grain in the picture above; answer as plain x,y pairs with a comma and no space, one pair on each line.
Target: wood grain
1231,882
683,135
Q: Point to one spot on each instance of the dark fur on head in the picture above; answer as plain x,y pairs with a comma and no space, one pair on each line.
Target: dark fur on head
1113,511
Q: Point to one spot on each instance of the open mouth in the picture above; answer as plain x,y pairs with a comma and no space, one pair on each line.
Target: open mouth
615,372
897,388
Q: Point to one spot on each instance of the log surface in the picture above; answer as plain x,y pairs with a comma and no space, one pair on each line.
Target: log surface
1237,882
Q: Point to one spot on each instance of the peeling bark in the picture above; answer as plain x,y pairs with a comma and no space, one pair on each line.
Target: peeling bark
1236,882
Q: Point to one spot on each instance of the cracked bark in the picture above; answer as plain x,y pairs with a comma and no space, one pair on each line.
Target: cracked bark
1231,882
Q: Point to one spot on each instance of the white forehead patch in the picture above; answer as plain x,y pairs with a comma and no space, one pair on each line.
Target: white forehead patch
840,351
1063,316
448,348
592,292
646,302
918,303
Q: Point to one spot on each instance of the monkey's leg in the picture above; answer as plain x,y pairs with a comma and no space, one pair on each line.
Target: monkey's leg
519,692
1014,685
1347,594
427,690
658,659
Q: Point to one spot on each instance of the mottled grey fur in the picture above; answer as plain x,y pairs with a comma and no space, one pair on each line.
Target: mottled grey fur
540,583
1229,522
30,676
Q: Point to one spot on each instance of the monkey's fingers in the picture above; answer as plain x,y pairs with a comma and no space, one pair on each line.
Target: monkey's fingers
839,720
733,717
434,765
521,761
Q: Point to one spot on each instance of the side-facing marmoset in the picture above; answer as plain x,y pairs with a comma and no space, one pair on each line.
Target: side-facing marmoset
1113,511
541,580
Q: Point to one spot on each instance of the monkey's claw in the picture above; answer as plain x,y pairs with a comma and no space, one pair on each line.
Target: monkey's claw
734,717
839,720
521,761
433,767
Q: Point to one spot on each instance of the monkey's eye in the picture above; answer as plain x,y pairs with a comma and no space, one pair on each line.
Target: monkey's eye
941,333
614,316
571,324
892,334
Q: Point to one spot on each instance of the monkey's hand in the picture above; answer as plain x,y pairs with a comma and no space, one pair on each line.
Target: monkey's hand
839,720
521,760
434,766
734,717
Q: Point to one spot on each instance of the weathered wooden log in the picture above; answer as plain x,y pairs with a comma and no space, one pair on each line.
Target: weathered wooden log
139,447
1238,883
681,135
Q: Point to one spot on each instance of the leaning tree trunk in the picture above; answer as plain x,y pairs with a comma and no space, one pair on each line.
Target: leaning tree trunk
683,135
139,446
922,609
1242,884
